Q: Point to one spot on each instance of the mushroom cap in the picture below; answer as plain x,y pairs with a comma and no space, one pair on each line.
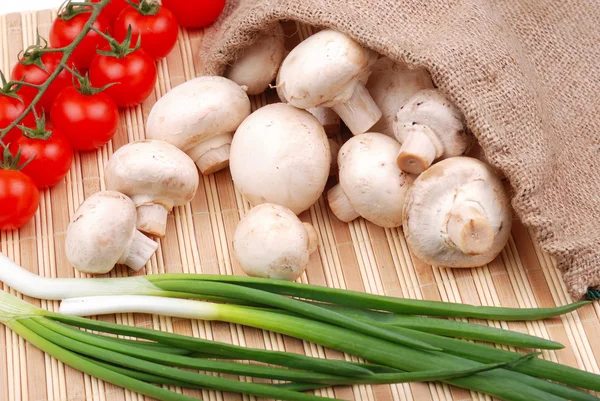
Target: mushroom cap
391,85
433,195
430,108
152,172
323,70
280,154
371,178
198,110
100,232
257,67
270,241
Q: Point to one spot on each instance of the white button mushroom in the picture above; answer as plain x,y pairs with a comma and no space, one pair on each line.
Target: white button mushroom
329,69
457,214
102,234
156,176
391,85
200,117
429,127
257,67
280,154
271,242
371,184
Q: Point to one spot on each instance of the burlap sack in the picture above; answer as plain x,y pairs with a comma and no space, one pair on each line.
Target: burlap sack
526,74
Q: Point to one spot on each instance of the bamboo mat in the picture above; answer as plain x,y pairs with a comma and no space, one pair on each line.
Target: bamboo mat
358,256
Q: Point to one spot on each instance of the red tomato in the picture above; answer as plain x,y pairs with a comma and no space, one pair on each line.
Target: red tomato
64,31
88,121
52,156
135,75
35,75
156,24
111,11
19,199
10,109
195,14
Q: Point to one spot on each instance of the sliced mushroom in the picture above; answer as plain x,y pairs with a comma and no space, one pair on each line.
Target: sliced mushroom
280,154
102,234
257,67
457,214
371,184
200,117
271,242
391,85
157,176
329,69
430,128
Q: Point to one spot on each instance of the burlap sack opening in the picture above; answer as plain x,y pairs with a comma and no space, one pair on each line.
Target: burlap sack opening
526,74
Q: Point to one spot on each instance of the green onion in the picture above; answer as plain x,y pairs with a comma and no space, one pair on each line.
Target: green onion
369,348
292,305
378,302
448,328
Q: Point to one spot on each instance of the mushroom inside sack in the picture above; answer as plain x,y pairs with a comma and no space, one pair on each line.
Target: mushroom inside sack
329,69
280,154
257,67
391,85
371,184
430,128
271,242
157,176
102,233
457,214
200,117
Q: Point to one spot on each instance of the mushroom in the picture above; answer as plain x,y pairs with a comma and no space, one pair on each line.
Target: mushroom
371,184
391,85
457,214
200,117
329,69
280,154
102,234
257,67
156,176
429,127
271,242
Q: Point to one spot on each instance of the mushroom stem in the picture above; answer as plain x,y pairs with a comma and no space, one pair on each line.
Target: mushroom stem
152,219
417,151
340,204
212,155
469,229
313,238
334,148
360,112
139,251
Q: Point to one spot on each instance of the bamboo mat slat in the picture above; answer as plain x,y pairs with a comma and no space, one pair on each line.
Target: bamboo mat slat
358,256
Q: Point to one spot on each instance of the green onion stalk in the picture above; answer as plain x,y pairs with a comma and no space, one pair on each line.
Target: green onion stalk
140,365
501,383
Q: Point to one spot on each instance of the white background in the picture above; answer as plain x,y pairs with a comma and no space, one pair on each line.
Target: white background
12,6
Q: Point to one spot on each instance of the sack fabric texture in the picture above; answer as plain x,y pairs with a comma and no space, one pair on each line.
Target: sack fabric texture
525,73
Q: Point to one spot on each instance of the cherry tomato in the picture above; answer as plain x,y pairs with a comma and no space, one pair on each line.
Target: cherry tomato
156,24
89,121
195,14
135,75
51,152
10,109
64,31
19,199
35,75
111,11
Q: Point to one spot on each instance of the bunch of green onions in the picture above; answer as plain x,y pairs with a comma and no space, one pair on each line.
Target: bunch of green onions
391,333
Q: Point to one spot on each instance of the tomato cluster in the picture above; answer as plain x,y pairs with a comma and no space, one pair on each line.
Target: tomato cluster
113,66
